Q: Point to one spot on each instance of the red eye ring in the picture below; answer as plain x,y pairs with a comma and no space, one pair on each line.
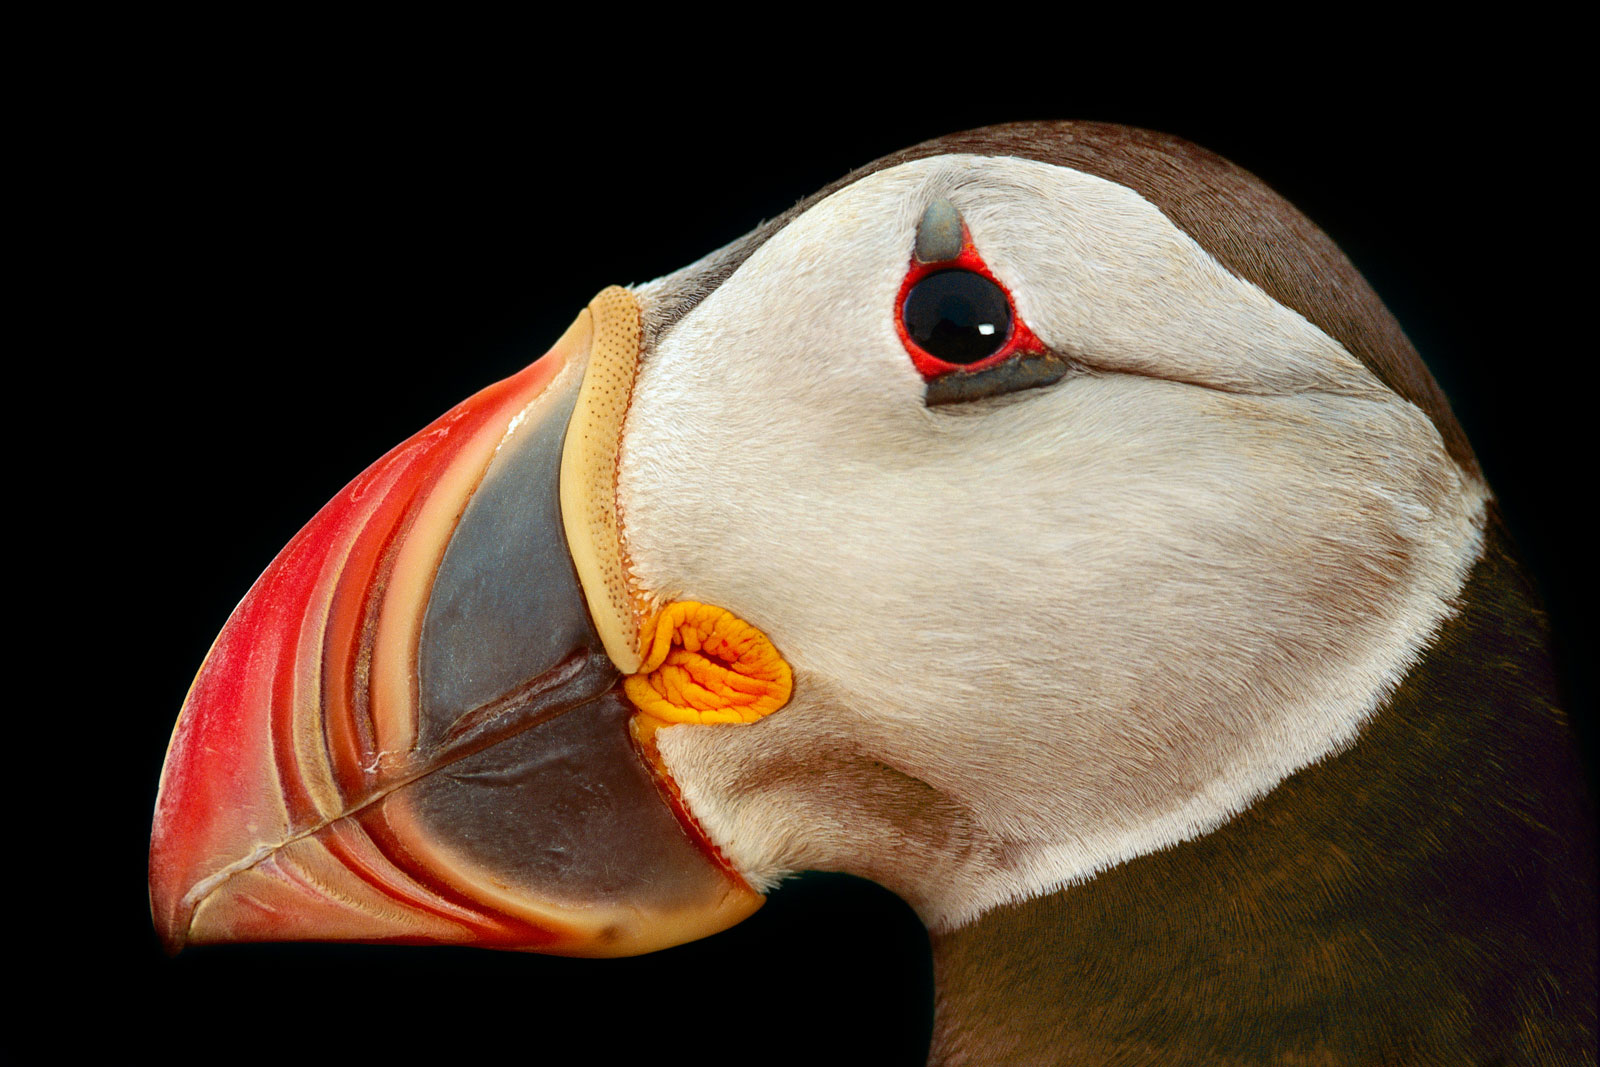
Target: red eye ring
1020,341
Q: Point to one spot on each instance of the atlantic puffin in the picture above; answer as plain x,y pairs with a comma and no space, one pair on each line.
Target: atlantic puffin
1159,644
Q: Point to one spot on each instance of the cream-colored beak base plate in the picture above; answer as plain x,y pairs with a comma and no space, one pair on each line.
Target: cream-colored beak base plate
589,476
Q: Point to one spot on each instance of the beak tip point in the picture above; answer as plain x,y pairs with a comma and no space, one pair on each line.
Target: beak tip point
174,936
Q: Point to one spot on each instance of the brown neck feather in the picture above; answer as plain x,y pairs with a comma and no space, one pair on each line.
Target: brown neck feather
1427,896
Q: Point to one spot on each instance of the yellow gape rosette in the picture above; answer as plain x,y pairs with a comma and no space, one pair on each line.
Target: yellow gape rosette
705,665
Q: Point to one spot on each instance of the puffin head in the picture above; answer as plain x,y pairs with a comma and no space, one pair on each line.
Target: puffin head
1025,503
1087,595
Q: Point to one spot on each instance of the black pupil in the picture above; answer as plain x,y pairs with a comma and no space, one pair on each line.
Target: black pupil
958,316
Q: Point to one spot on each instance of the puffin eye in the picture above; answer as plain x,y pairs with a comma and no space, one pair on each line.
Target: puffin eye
957,322
957,316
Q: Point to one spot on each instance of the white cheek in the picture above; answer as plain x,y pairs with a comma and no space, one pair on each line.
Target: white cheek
1098,619
748,414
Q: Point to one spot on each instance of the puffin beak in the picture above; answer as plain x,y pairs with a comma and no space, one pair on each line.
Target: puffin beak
410,730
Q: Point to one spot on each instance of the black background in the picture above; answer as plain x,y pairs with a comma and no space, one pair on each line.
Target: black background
305,259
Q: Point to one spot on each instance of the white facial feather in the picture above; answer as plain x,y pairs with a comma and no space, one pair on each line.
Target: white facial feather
1037,637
